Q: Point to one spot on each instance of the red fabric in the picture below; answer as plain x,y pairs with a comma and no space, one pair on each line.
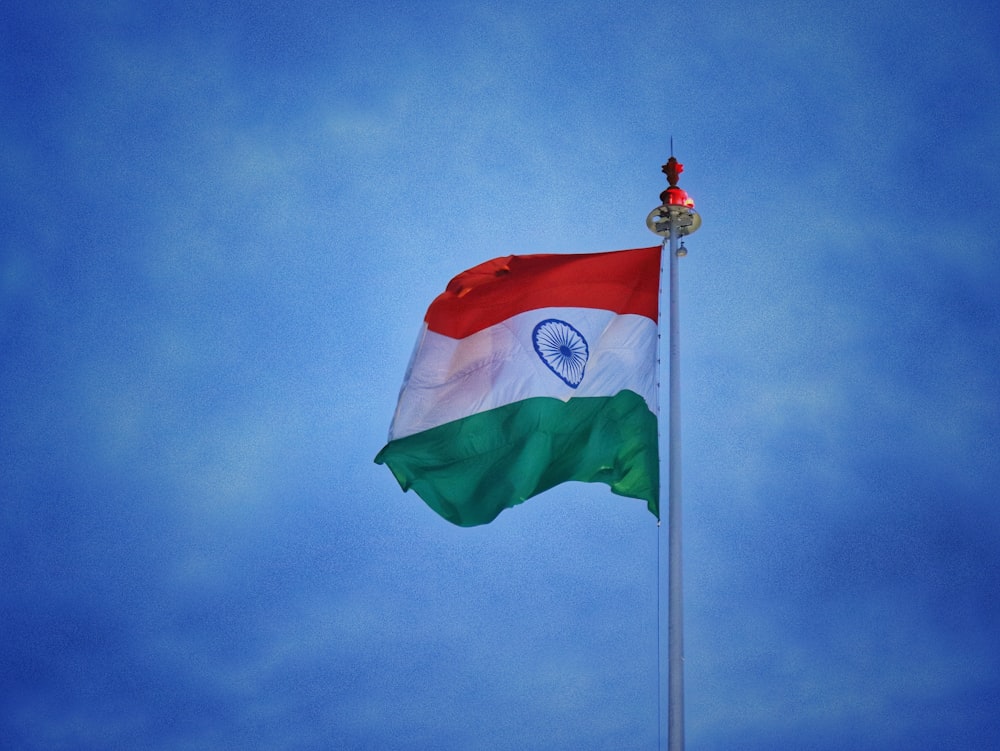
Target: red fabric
625,281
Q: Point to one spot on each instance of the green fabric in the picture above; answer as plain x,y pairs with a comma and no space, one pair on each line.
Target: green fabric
470,470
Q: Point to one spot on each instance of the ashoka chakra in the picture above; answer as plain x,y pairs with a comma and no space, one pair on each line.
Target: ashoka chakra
562,348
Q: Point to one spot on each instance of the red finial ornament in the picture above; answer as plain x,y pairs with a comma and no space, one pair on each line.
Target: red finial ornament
675,215
674,196
672,169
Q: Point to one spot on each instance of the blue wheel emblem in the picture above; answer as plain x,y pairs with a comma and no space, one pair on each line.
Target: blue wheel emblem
562,348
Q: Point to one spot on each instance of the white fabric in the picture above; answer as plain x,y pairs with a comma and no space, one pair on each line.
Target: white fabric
449,379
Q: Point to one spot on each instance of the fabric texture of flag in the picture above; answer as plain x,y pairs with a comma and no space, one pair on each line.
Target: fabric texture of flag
531,371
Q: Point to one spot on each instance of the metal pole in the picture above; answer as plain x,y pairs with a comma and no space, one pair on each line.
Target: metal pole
675,614
673,219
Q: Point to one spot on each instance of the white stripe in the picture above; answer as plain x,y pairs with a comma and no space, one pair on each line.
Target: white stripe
449,379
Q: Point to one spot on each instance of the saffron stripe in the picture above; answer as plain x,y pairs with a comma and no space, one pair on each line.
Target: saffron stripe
625,281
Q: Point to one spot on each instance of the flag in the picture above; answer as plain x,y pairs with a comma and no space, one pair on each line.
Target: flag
531,371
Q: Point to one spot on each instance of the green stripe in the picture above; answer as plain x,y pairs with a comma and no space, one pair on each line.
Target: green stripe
470,470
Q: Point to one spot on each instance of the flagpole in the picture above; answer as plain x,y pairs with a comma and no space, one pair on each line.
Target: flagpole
673,219
675,603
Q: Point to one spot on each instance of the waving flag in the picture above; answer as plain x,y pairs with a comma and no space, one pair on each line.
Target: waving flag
531,371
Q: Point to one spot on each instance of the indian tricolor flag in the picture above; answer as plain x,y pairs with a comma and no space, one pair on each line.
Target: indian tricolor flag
531,371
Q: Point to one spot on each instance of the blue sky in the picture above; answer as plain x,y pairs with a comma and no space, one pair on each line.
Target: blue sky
221,229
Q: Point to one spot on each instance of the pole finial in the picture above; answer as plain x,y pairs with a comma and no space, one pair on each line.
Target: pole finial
674,196
675,204
672,169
